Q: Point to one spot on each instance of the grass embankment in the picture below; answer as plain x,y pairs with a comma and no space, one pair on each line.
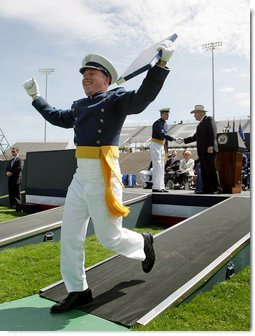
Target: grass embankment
8,214
226,307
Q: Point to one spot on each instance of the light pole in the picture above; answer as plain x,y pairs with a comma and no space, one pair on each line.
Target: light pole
212,46
46,72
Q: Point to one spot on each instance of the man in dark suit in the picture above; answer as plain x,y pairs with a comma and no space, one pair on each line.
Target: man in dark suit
207,147
14,174
171,166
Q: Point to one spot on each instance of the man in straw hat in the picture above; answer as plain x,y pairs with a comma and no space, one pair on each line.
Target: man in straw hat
207,147
96,188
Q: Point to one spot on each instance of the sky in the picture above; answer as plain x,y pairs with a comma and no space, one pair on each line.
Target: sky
37,34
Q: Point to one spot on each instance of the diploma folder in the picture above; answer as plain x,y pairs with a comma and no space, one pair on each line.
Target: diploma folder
144,61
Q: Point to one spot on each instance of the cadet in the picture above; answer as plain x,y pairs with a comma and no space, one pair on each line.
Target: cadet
96,188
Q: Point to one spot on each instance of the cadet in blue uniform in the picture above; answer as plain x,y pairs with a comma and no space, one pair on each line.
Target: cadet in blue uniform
157,147
96,188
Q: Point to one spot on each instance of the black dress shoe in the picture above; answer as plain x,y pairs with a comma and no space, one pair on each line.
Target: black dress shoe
74,300
149,261
217,192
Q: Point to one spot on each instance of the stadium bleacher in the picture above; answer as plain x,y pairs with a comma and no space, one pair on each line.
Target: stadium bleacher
134,143
136,137
135,154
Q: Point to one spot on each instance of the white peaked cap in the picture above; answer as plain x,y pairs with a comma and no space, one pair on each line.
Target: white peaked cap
98,62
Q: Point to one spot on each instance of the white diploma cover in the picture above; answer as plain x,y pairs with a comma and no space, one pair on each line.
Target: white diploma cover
144,61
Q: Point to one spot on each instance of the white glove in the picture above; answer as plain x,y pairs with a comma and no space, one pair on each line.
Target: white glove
32,88
167,49
179,141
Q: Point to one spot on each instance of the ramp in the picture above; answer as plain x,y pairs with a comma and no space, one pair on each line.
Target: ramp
23,227
187,253
31,228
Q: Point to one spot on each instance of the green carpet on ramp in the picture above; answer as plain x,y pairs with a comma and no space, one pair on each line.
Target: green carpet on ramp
32,314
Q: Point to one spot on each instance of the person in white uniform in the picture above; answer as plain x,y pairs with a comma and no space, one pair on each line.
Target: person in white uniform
157,148
145,175
96,188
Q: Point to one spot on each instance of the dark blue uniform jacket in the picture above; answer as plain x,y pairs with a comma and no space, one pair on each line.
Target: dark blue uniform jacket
97,120
159,130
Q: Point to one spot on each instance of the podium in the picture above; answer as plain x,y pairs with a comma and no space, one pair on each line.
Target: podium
229,161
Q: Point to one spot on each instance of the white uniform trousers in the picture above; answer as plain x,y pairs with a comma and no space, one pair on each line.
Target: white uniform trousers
157,157
86,198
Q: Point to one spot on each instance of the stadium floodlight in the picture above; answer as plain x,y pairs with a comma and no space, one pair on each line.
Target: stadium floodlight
46,72
212,46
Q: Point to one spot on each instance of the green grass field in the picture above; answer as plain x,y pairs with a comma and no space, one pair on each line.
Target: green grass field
226,307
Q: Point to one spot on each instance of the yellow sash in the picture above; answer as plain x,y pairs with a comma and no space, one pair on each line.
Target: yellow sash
161,142
106,155
158,141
